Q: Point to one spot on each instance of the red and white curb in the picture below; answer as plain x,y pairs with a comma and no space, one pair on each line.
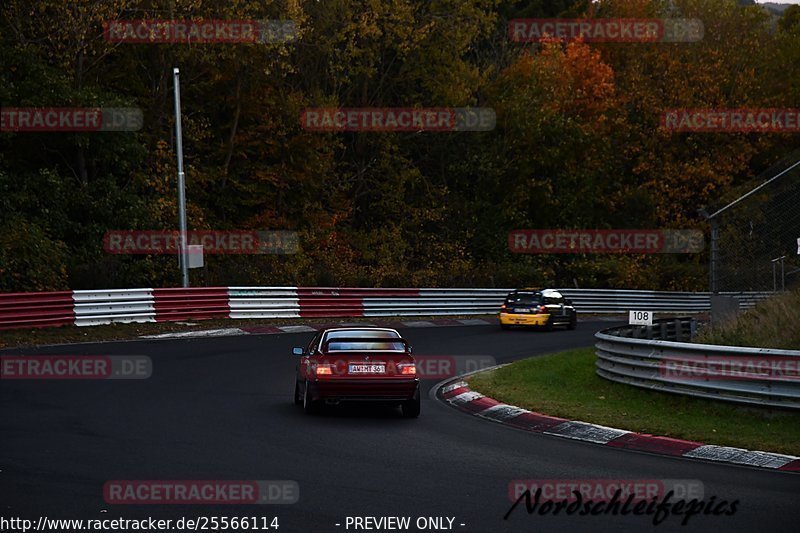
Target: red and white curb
306,328
458,394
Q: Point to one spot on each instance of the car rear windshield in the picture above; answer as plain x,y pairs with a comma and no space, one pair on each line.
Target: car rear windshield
524,299
365,346
358,333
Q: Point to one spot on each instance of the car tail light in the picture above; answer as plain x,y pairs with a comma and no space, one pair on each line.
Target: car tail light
407,369
503,306
323,370
542,309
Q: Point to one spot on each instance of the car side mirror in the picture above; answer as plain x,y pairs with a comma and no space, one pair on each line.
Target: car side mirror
298,351
410,349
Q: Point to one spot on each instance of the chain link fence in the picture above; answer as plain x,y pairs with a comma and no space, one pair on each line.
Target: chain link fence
756,234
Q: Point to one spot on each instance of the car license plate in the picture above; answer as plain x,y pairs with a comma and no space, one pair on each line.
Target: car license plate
521,310
367,369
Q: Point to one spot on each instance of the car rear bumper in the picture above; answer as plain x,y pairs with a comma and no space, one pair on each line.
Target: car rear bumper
377,390
524,319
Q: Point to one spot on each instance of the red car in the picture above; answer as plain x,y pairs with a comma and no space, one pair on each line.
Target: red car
356,365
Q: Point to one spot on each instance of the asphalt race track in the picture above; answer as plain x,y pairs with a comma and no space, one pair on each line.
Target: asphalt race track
220,408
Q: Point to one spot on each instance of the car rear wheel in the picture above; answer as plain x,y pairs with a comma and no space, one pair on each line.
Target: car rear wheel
548,326
310,407
573,321
411,407
298,400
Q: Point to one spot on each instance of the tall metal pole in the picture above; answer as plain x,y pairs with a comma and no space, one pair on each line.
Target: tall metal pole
181,187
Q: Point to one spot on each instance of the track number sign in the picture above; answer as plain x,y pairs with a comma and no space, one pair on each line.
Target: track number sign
640,318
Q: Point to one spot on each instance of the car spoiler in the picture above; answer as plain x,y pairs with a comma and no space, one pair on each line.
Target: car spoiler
327,343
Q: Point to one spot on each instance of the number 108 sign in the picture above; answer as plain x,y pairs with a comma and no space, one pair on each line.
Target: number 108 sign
640,318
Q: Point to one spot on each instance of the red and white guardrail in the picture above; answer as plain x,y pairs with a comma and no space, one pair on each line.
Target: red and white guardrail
95,307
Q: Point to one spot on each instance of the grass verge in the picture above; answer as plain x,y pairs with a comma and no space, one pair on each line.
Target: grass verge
565,385
773,323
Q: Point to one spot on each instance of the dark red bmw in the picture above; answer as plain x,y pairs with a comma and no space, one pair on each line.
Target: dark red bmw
357,365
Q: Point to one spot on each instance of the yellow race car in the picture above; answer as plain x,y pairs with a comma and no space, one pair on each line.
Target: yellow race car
544,308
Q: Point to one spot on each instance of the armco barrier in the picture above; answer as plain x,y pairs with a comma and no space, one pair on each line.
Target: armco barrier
89,308
618,300
755,376
196,304
663,329
263,302
36,309
93,308
435,302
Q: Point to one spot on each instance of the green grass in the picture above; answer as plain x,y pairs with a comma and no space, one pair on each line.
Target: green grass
773,323
565,385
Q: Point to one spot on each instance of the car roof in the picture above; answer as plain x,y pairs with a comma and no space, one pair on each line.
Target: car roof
390,336
544,292
388,331
364,328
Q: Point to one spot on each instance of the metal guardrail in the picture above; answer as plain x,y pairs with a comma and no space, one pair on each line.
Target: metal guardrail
622,301
93,308
36,309
754,376
663,329
96,307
